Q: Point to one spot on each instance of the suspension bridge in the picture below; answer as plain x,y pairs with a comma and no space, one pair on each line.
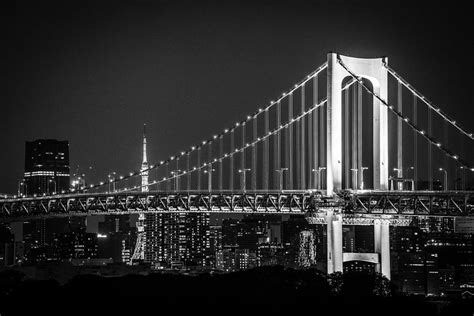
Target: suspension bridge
352,143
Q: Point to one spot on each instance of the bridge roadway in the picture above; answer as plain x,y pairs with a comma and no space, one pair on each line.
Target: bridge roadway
357,203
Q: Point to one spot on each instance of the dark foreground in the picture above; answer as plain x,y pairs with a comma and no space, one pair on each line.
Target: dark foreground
263,290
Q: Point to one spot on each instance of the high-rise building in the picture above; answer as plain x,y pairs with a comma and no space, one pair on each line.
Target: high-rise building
46,167
307,249
177,240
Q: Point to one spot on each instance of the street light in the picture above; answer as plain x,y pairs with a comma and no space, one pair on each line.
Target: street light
399,172
209,177
362,177
280,176
25,188
52,181
356,173
112,180
410,168
242,174
175,173
318,171
399,175
445,178
462,176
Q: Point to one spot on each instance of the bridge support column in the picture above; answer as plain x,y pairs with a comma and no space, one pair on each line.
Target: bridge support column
373,70
334,242
382,246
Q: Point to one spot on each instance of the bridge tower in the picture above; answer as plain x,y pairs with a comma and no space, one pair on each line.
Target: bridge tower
373,70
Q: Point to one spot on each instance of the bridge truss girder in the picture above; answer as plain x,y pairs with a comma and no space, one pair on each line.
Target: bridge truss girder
410,203
375,203
149,202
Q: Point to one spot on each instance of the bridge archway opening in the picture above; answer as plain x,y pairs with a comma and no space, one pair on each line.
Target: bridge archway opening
358,141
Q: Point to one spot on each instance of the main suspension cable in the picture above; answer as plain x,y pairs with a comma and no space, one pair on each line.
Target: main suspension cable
400,115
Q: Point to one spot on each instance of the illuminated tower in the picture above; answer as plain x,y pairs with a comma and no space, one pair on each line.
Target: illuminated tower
139,251
144,169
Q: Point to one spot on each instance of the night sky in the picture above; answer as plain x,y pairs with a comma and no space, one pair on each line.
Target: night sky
93,74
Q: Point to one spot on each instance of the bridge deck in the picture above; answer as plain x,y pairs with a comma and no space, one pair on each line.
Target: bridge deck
409,203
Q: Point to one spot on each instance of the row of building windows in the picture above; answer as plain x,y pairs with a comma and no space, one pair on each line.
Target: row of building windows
46,173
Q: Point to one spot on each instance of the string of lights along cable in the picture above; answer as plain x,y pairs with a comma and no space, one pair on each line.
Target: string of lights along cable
290,144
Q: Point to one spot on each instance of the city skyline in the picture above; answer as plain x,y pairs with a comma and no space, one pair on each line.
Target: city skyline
279,152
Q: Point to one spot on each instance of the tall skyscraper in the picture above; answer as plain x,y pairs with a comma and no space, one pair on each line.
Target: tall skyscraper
46,167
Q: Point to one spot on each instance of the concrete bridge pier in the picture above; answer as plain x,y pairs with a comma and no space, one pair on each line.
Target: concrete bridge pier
382,246
334,242
336,257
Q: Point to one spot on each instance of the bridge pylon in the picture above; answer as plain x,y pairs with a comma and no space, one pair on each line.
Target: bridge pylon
372,69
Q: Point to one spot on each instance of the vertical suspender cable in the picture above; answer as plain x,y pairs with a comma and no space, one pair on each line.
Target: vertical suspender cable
354,137
359,134
415,143
167,173
265,153
399,134
297,130
254,155
275,160
290,142
242,157
314,176
322,144
221,152
209,161
310,184
176,174
188,181
199,169
278,146
302,141
430,152
231,161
